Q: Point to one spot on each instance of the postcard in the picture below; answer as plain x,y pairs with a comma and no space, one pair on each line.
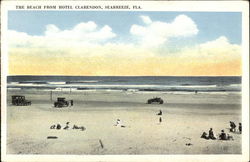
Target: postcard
125,81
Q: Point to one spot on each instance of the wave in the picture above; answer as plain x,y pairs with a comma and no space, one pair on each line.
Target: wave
84,85
56,83
83,81
235,85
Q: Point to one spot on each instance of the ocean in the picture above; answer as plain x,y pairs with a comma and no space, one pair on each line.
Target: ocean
127,83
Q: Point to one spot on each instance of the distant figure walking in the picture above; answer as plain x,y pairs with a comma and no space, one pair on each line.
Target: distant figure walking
232,126
211,134
160,120
71,102
240,128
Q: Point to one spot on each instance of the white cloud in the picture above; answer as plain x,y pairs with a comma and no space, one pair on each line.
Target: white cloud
155,33
88,40
85,32
146,19
215,50
82,34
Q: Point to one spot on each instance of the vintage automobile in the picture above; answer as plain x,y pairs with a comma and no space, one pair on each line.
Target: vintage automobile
18,100
61,102
155,100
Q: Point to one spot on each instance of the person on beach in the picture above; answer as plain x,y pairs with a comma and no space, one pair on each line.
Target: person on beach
223,135
118,123
232,126
211,134
160,120
159,113
53,127
204,135
71,102
240,128
67,126
58,126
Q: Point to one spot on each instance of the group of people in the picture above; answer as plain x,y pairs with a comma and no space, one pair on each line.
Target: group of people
119,123
222,135
210,134
66,127
233,127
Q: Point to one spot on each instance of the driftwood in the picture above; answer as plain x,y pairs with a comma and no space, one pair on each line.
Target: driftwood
100,141
52,137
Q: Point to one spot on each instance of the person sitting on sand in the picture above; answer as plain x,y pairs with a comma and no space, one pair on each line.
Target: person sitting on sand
67,126
204,135
159,113
223,135
232,126
53,126
58,126
240,128
211,134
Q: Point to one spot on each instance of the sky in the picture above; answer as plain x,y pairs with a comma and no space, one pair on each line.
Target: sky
111,43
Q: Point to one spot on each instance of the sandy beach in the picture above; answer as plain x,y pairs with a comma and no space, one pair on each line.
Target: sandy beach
185,117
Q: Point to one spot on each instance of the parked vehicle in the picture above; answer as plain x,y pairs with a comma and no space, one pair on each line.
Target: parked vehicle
20,101
61,102
155,100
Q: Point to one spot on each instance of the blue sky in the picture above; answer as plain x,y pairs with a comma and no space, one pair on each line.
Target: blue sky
211,25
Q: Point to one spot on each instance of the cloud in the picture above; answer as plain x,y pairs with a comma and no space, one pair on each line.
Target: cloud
156,33
84,33
216,50
86,49
146,19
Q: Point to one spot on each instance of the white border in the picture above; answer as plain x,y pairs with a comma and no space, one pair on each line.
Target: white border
214,6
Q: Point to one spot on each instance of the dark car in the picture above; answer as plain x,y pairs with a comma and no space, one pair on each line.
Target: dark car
155,100
20,101
61,102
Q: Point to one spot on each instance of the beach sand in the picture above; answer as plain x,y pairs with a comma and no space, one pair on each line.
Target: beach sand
185,117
